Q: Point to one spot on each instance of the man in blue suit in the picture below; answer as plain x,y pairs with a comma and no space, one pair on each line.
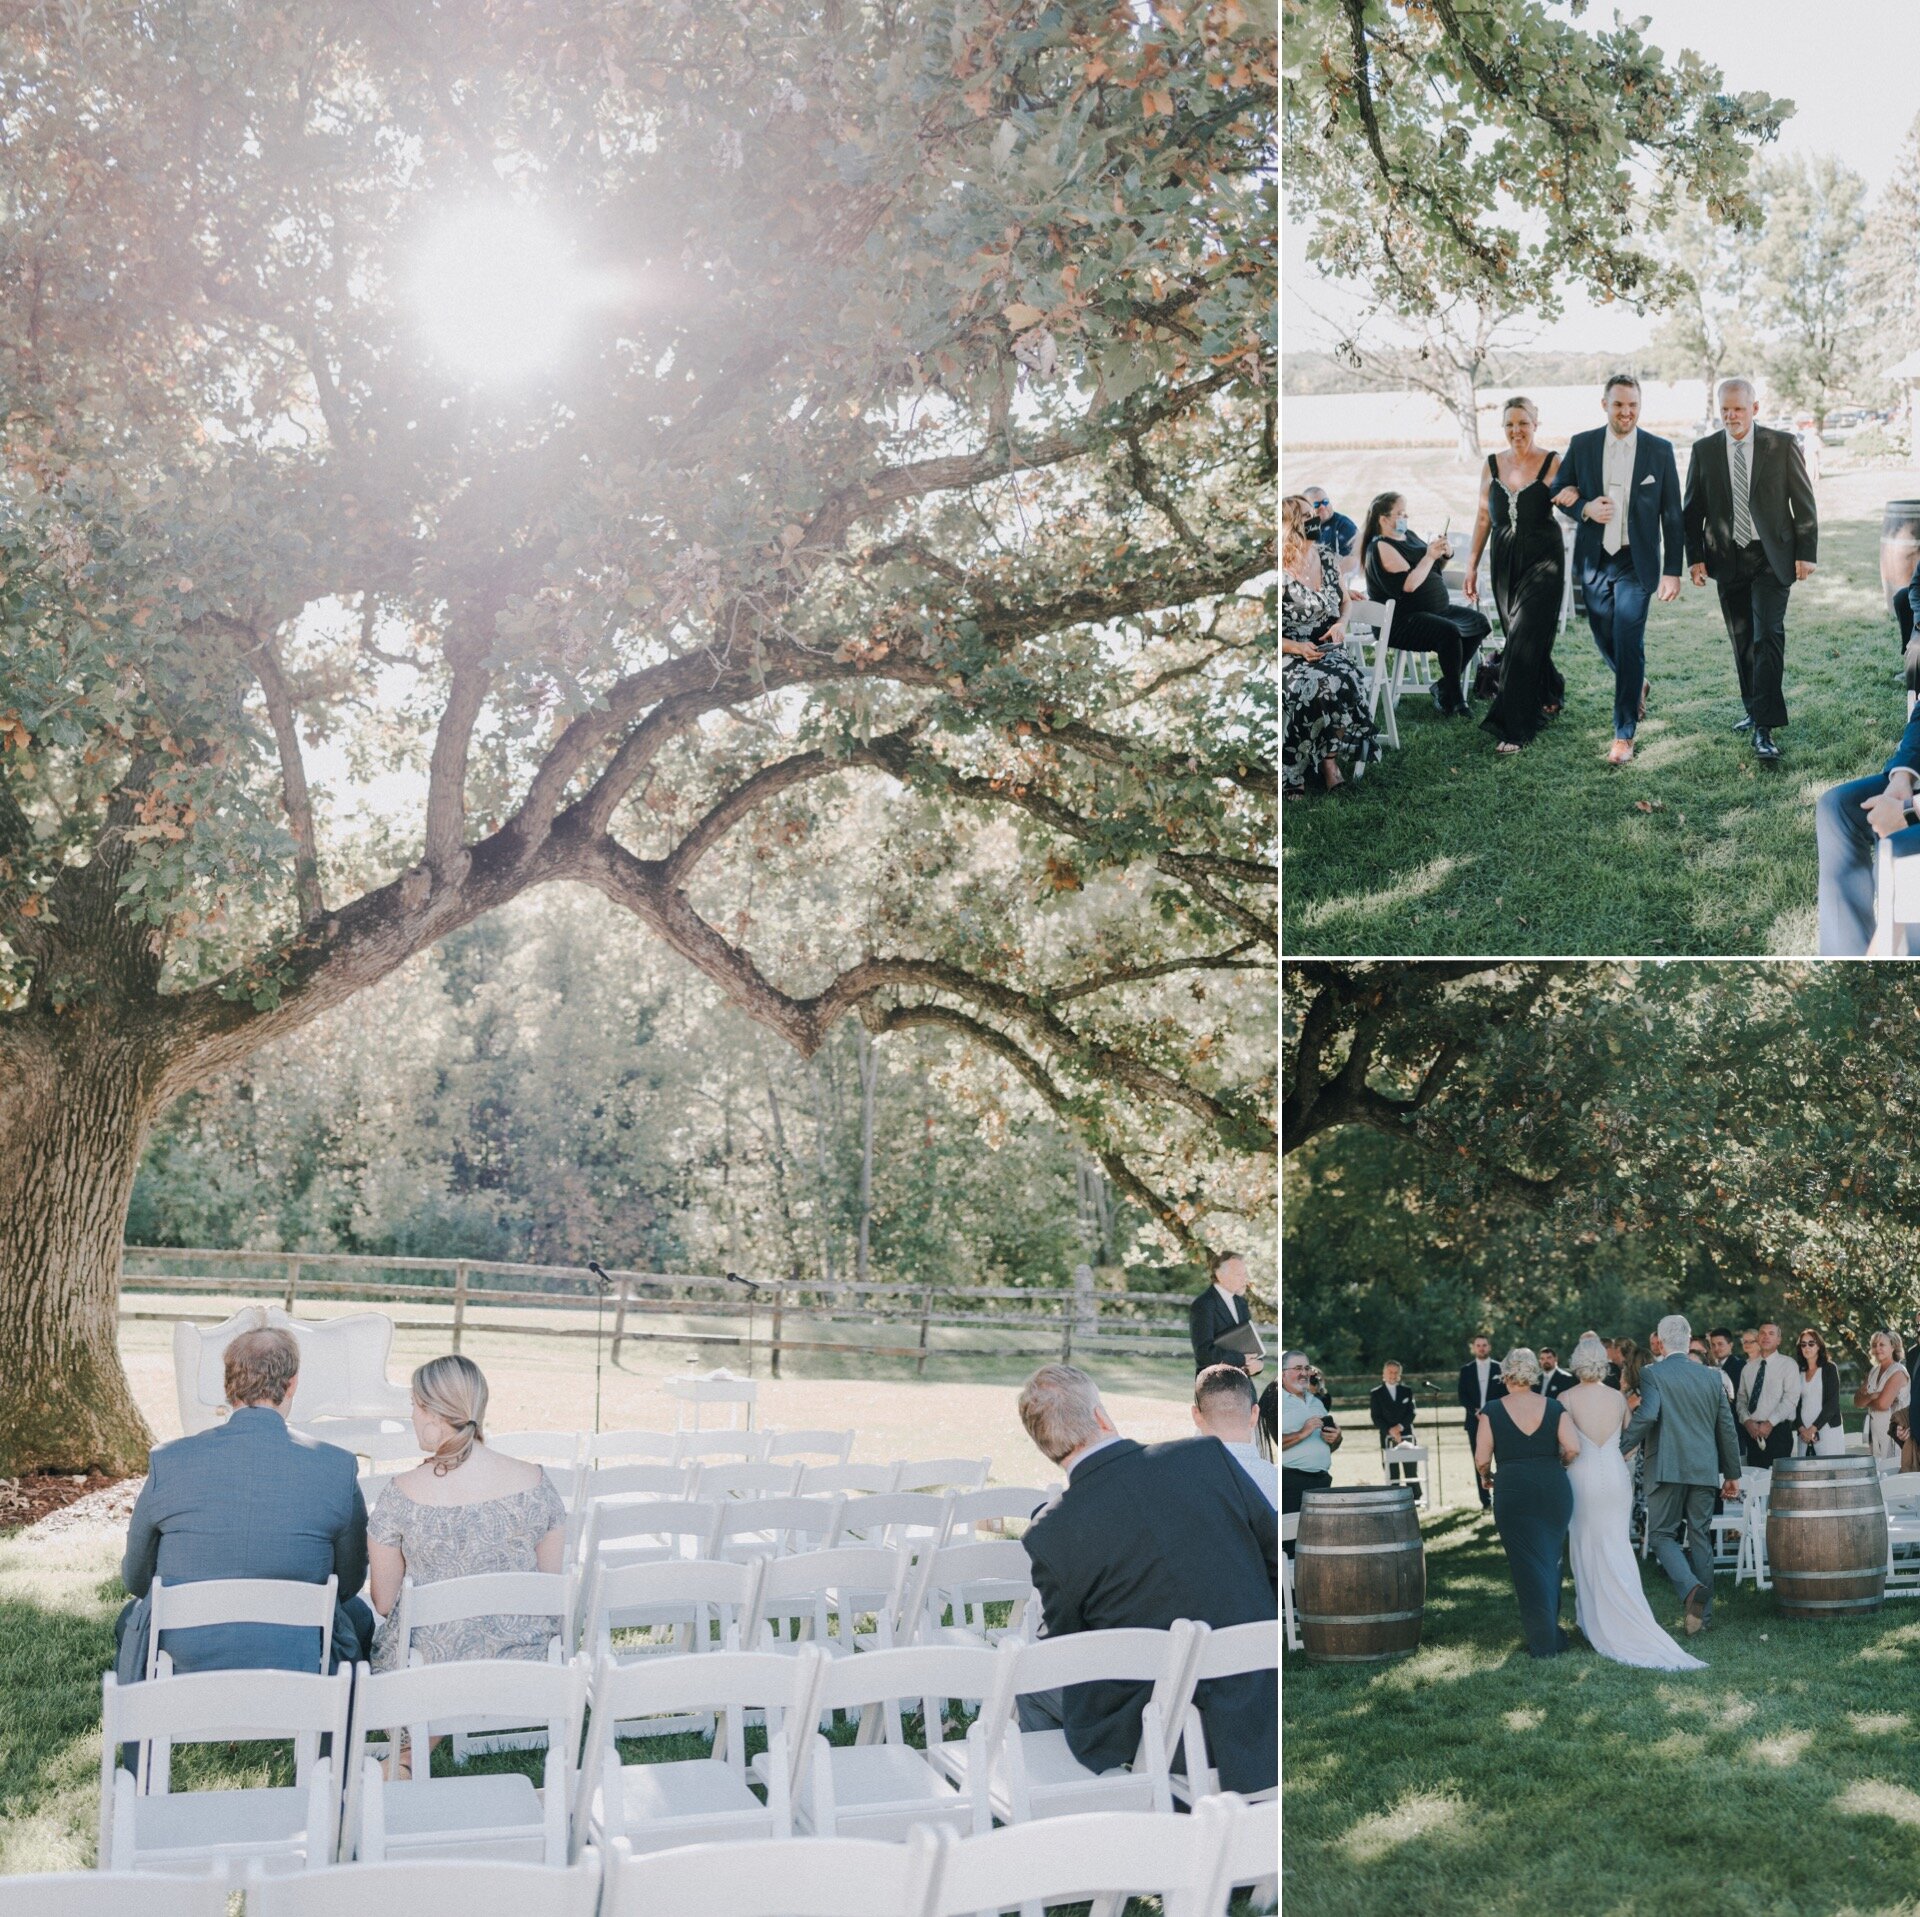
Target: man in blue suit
1622,488
248,1499
1849,821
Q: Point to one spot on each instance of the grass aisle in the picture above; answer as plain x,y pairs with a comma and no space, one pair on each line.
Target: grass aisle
1695,848
1779,1782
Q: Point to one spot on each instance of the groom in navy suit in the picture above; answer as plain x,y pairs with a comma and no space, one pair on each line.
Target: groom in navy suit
1622,489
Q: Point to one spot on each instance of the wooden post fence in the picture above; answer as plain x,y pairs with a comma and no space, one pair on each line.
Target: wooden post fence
293,1285
926,1313
459,1303
620,1317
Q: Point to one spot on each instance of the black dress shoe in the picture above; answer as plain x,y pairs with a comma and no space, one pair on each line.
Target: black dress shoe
1763,745
1744,723
1438,695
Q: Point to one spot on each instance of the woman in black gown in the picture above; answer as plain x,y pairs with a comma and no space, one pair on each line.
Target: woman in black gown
1405,569
1532,1497
1529,573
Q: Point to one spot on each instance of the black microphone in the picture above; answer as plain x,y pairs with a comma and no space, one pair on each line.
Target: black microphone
606,1283
752,1284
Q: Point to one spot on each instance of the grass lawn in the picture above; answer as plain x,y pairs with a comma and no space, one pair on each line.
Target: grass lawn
1695,848
1472,1778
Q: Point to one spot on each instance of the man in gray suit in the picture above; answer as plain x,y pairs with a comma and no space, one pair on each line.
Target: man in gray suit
1686,1424
248,1499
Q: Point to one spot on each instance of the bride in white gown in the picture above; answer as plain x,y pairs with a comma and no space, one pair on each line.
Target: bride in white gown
1610,1603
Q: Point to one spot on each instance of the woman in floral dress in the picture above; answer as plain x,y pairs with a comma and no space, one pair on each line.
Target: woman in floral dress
1323,690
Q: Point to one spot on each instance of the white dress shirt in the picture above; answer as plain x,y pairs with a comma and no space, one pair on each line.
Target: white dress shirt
1484,1366
1616,470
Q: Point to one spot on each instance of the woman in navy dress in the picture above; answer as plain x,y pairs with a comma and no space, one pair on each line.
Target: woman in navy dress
1532,1498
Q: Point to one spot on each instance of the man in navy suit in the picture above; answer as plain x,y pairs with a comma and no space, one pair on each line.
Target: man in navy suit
248,1499
1622,488
1850,821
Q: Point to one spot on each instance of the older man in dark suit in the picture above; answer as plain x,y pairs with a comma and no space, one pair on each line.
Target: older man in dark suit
1221,1307
248,1499
1142,1536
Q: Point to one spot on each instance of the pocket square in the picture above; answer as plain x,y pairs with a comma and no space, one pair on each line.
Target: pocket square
1648,481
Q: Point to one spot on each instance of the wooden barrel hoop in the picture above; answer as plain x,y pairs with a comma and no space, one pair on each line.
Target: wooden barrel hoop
1827,1537
1360,1575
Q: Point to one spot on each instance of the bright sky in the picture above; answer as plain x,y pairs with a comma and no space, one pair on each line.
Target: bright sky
1849,66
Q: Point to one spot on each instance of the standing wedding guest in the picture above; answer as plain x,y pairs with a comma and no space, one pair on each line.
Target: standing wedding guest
1752,528
466,1511
1818,1430
1532,1500
1613,1364
1329,529
1326,706
1480,1384
1554,1377
1628,1355
1390,1405
1221,1307
248,1499
1720,1343
1768,1401
1528,570
1884,1395
1306,1458
1849,822
1683,1427
1224,1407
1698,1352
1407,571
1142,1535
1622,488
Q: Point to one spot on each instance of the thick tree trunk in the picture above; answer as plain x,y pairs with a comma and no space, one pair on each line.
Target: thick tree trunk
76,1122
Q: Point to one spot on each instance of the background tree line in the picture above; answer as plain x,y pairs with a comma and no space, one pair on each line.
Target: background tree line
1530,1149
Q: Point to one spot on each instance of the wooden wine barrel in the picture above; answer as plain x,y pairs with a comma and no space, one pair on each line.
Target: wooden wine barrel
1359,1575
1899,545
1827,1537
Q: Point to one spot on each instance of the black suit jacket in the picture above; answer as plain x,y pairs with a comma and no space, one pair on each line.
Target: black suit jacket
1779,500
1470,1390
1656,536
1207,1317
1733,1366
1390,1406
1145,1535
1557,1381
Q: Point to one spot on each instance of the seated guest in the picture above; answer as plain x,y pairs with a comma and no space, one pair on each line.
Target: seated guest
1849,822
466,1511
1326,702
1224,1407
1329,529
1554,1377
1142,1536
1904,603
1390,1405
248,1499
1407,571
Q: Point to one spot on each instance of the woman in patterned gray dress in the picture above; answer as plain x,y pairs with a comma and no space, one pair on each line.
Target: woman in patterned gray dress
464,1512
1323,691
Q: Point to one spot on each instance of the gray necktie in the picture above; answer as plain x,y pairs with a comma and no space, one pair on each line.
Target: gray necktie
1742,515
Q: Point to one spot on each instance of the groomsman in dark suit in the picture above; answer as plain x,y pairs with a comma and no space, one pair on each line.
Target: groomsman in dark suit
1554,1379
1480,1384
1753,529
1221,1307
1720,1343
1621,487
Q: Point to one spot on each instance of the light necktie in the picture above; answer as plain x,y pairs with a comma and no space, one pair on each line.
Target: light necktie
1742,512
1615,535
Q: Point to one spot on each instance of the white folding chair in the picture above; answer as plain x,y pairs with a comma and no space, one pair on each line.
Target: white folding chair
493,1594
490,1815
942,1474
1755,1487
882,1786
1244,1839
113,1893
1368,629
563,1454
697,1800
636,1481
702,1604
828,1447
293,1827
998,1505
954,1584
1103,1856
441,1888
1234,1650
747,1480
722,1447
863,1479
818,1598
781,1877
619,1447
1406,1463
628,1530
777,1527
916,1519
1034,1773
1289,1624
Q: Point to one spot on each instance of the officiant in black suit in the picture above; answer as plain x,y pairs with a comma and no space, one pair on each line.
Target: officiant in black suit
1221,1307
1390,1405
1480,1384
1752,528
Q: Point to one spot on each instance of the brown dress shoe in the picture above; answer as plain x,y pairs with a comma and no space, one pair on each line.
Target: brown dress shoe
1620,752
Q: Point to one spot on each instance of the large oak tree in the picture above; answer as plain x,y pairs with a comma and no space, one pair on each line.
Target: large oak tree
911,460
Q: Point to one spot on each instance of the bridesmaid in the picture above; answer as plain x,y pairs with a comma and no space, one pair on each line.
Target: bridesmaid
1532,1499
1528,572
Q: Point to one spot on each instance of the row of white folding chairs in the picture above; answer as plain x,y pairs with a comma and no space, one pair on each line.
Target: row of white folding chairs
568,1450
1192,1864
882,1786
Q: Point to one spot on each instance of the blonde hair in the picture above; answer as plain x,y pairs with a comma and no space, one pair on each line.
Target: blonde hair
1293,527
1057,1405
1520,1366
1525,405
454,1389
1588,1361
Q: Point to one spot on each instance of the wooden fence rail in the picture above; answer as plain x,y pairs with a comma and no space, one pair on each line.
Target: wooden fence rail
750,1317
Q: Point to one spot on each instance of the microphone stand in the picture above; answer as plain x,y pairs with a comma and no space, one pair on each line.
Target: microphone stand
754,1287
602,1285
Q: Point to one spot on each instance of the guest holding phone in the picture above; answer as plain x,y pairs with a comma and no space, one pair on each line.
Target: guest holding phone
1407,572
